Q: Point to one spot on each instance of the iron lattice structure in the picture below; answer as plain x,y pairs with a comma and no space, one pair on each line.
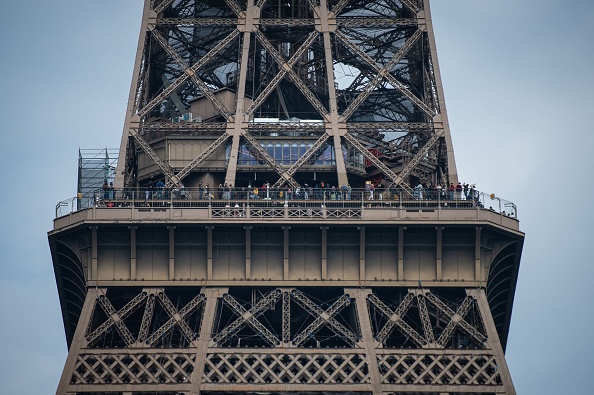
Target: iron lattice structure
178,288
344,89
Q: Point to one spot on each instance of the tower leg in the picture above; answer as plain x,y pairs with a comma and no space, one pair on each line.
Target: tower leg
493,342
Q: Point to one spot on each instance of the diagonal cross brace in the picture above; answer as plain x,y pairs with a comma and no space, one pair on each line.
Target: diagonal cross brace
323,317
249,317
284,68
424,313
192,74
450,314
302,160
176,318
383,72
117,318
395,318
184,77
200,158
165,168
396,179
161,7
294,77
269,159
454,321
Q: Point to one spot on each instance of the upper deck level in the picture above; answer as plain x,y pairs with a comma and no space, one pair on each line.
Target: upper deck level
307,205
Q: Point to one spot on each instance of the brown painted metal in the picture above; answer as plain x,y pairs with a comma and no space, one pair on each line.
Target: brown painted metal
270,295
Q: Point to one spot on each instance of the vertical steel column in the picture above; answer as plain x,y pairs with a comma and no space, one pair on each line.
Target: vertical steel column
171,230
248,252
360,296
247,24
286,252
78,339
93,275
493,341
442,116
401,253
438,269
324,25
362,253
324,252
131,108
132,252
205,337
209,252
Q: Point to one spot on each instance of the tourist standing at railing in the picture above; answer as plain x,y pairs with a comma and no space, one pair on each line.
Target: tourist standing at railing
105,190
459,191
206,192
160,186
418,192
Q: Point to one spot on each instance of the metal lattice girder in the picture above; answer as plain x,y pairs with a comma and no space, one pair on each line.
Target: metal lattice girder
161,6
451,314
176,318
284,69
200,158
323,318
410,5
396,179
165,168
294,77
187,70
302,160
424,313
132,367
196,22
395,318
286,317
338,7
184,76
421,154
117,318
383,72
376,22
454,320
149,308
389,126
269,159
248,318
236,8
357,22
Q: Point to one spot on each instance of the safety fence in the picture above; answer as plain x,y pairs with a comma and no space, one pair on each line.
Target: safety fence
310,201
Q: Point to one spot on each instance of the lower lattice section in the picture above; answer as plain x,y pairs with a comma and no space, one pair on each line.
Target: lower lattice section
133,368
439,369
286,368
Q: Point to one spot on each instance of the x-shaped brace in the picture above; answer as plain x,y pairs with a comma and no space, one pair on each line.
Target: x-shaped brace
323,318
116,318
249,317
396,318
176,318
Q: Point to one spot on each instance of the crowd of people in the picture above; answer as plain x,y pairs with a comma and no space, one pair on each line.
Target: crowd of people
319,191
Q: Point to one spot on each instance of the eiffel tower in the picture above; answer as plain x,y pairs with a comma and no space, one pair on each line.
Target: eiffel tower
286,215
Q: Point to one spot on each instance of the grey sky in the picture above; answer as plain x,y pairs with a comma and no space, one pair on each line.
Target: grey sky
518,87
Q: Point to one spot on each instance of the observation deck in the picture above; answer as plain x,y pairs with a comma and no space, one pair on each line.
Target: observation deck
338,237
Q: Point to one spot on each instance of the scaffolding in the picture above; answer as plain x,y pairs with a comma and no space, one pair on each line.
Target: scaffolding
95,167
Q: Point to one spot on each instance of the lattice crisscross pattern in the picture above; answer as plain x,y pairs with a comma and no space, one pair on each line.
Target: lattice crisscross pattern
286,368
434,369
129,368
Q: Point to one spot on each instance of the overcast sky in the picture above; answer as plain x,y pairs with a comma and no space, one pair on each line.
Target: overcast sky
518,84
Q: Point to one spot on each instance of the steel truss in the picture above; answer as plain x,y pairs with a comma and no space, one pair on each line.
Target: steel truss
281,64
360,358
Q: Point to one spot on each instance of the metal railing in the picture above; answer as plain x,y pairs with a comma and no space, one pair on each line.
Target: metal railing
238,200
